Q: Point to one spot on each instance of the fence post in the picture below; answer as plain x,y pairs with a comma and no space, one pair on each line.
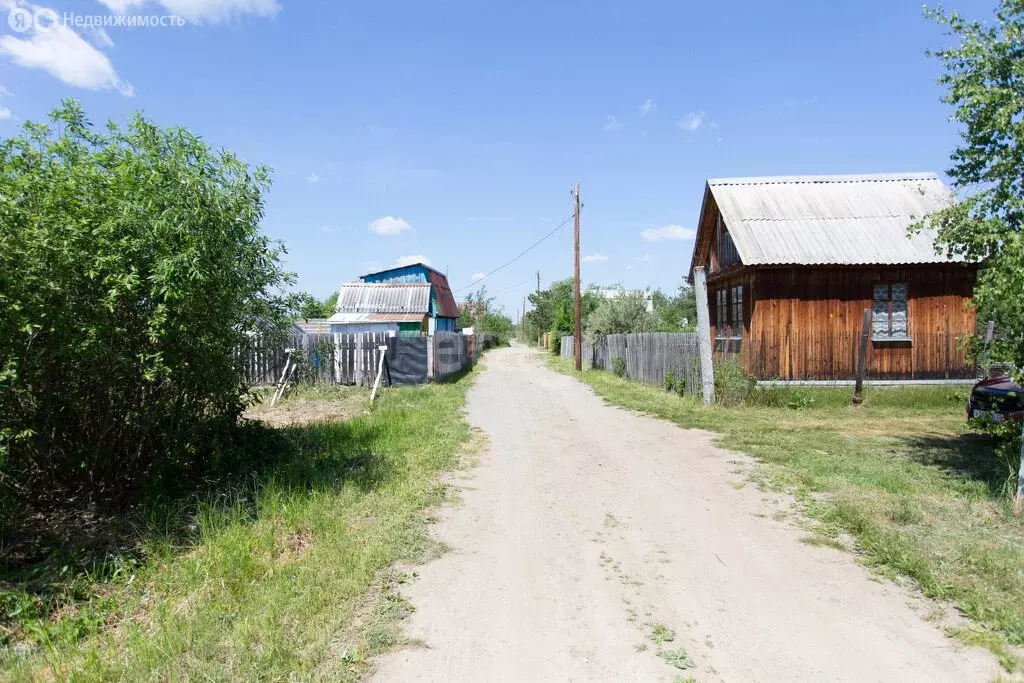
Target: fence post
707,369
862,358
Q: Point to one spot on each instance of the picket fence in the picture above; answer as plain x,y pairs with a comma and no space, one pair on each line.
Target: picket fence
351,358
647,357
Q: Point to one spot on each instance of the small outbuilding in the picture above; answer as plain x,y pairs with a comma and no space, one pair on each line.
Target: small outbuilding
381,307
442,312
794,261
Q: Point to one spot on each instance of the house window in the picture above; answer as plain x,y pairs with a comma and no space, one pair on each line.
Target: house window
737,311
724,247
889,313
729,313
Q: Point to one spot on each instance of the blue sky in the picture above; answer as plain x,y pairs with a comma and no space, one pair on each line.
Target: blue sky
454,130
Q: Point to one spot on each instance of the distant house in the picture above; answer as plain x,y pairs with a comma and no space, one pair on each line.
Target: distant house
409,299
616,292
313,325
381,307
793,262
443,312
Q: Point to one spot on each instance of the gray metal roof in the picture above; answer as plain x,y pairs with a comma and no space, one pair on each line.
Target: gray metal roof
366,297
313,326
840,219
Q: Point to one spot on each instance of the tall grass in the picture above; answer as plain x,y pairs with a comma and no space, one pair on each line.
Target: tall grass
283,577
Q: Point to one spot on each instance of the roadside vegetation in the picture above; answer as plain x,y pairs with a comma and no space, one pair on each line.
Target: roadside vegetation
899,479
280,574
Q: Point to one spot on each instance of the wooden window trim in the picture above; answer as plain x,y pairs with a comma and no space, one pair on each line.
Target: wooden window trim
889,304
729,319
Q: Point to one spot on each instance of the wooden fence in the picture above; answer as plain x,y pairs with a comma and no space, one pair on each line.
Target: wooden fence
348,358
647,357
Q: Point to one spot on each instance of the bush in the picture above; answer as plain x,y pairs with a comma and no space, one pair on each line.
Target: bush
619,367
670,381
556,342
131,268
732,386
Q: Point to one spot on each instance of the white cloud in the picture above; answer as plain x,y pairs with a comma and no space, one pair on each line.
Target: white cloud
62,53
389,225
594,258
477,276
691,121
668,232
202,11
313,178
5,113
327,228
100,38
647,107
613,124
409,260
629,266
646,258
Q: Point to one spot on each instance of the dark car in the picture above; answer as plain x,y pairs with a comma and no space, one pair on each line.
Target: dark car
998,398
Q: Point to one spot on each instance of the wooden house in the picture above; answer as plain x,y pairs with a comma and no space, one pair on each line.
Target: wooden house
442,312
793,262
381,307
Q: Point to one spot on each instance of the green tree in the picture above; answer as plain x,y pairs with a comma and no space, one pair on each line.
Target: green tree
676,313
624,312
553,309
984,78
476,306
132,266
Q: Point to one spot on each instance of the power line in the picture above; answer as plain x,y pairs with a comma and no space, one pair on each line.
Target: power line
524,252
505,289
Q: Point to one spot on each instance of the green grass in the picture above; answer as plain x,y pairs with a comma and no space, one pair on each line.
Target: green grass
290,576
922,498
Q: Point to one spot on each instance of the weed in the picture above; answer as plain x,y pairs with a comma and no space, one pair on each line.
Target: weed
661,634
670,381
990,641
678,658
618,367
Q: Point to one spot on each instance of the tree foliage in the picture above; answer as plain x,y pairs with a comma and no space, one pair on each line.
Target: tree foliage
131,267
676,313
481,314
984,78
622,313
553,309
309,307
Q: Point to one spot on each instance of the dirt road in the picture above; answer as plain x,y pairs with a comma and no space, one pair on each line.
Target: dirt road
588,534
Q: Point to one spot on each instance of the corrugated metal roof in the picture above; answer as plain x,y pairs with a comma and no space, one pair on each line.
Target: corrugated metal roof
313,326
446,306
843,220
346,318
364,297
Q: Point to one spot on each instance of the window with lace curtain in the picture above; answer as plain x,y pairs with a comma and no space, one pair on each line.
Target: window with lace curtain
890,312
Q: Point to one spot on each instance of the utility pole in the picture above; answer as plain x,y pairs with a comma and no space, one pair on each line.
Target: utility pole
538,301
522,321
577,334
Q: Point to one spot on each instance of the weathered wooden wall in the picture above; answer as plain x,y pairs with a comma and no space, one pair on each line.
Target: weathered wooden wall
348,358
648,356
802,323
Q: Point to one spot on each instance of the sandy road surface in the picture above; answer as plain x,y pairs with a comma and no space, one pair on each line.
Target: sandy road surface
585,526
